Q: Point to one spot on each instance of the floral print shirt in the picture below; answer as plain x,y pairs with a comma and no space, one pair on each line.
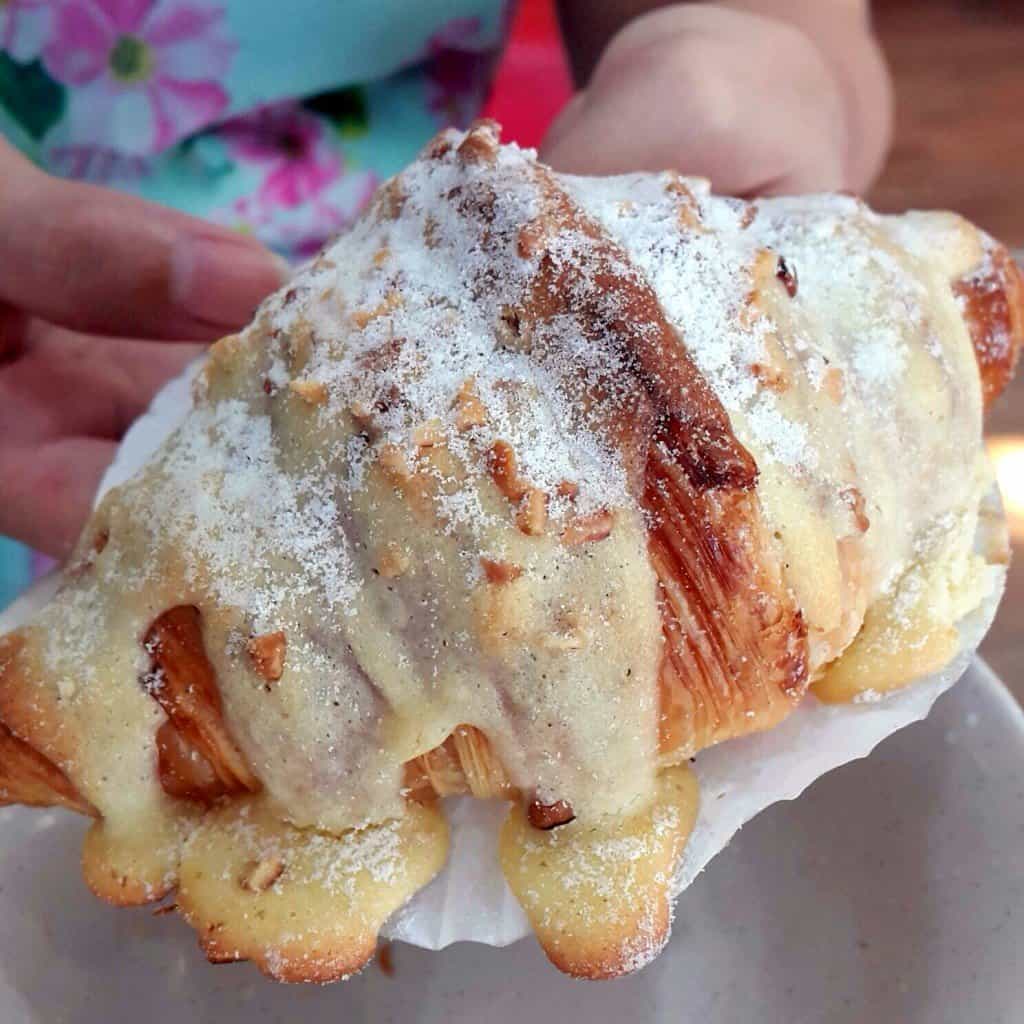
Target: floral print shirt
275,118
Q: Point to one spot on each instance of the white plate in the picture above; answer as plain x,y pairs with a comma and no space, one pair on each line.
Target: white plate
891,891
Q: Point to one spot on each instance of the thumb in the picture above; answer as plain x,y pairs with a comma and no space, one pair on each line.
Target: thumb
99,261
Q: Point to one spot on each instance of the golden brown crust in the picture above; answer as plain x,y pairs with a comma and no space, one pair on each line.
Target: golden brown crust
464,763
26,777
735,653
184,684
31,713
304,906
598,893
992,303
131,869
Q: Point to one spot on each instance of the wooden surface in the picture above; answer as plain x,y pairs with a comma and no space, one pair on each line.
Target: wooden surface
958,67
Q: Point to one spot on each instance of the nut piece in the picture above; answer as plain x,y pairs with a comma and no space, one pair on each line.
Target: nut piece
531,238
549,816
500,572
501,461
392,561
391,302
568,490
392,462
770,377
480,146
314,392
532,516
261,875
786,273
588,529
428,434
833,384
469,410
391,200
854,500
267,653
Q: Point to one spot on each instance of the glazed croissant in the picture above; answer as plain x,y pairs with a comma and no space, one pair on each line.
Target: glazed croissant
531,487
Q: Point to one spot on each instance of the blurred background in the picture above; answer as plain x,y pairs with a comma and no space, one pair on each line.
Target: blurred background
958,67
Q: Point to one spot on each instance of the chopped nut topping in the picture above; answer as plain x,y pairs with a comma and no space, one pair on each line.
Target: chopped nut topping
513,330
854,500
299,345
588,529
531,239
749,216
478,147
391,302
834,384
427,434
391,199
532,516
770,377
430,231
500,572
261,875
380,257
364,421
567,489
392,461
267,654
549,816
392,561
313,392
100,541
438,147
786,273
501,461
469,410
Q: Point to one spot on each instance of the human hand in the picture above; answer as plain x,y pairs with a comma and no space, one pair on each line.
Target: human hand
103,298
754,103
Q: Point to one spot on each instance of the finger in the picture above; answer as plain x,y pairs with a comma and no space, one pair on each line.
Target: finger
68,383
48,490
13,333
107,263
710,100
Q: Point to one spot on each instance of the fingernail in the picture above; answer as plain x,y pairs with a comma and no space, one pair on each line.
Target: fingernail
221,281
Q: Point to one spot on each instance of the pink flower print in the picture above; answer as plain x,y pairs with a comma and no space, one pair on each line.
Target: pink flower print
291,146
143,73
301,231
24,27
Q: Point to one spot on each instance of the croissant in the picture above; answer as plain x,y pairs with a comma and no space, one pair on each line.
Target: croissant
532,487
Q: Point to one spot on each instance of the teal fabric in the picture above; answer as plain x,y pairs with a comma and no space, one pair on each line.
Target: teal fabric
275,118
15,570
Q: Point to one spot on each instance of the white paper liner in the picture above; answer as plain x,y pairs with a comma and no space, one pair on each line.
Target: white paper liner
469,900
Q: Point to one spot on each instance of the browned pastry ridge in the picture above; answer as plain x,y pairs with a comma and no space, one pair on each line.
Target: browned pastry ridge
531,488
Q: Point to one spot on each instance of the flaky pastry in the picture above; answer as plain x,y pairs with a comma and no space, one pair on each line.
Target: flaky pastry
530,487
